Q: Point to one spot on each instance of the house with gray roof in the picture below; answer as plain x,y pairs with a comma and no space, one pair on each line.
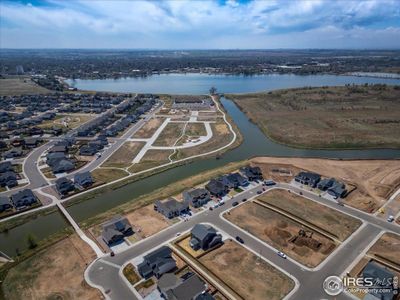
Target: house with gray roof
115,230
23,199
237,180
217,188
5,203
382,278
64,186
157,263
187,287
204,237
251,173
308,178
83,180
171,208
196,197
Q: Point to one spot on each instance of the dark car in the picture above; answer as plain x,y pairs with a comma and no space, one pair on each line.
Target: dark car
239,239
244,199
235,203
210,208
259,192
112,253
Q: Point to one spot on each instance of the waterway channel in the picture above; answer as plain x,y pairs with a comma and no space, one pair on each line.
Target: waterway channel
254,144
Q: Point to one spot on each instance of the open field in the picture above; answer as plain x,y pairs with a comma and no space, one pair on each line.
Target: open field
279,231
221,137
53,273
124,155
171,133
375,180
20,86
388,248
152,158
328,219
327,117
148,220
247,275
107,175
148,129
195,129
74,120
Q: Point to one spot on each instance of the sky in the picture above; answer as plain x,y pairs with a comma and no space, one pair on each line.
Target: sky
219,24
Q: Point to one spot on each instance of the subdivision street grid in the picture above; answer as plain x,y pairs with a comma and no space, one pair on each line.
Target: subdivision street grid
105,272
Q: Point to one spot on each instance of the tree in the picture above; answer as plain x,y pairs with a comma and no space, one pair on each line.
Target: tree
213,90
31,241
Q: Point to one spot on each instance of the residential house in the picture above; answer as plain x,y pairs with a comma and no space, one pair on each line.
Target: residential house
83,180
187,287
12,153
31,143
8,179
196,197
204,237
171,208
204,296
86,150
23,198
115,230
237,180
225,180
334,187
64,186
217,188
5,203
383,281
62,166
308,178
252,173
157,263
6,166
58,148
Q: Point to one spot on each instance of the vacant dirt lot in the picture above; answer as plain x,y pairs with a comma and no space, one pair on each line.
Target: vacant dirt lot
387,247
327,117
124,155
149,128
375,180
151,159
247,275
20,86
169,136
55,273
195,129
328,219
278,231
148,220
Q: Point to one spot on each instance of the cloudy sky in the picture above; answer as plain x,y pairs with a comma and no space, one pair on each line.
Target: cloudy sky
180,24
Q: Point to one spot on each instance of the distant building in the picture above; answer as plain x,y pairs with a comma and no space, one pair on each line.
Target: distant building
251,173
196,197
64,186
5,203
308,178
83,180
217,188
23,199
383,281
187,287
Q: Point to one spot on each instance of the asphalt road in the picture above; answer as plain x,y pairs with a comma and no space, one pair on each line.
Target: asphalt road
102,274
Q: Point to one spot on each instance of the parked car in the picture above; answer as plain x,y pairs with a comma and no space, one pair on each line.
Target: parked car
390,219
301,193
259,192
178,234
211,208
235,203
239,239
244,199
281,254
269,182
112,253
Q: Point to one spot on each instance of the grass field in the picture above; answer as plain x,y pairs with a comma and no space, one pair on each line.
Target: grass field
124,155
169,136
148,129
20,86
247,275
107,175
327,117
53,273
152,158
328,219
277,231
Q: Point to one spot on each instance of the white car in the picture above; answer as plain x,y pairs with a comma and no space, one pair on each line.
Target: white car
178,234
390,219
281,254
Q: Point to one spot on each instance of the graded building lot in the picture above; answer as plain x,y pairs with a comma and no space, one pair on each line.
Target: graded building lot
148,220
151,159
282,233
328,219
20,86
387,248
148,129
53,273
375,180
327,117
195,129
124,155
246,274
74,120
170,134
